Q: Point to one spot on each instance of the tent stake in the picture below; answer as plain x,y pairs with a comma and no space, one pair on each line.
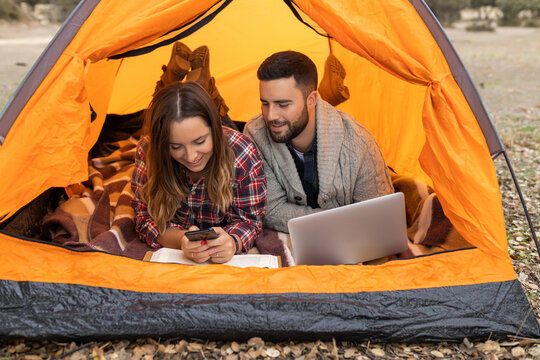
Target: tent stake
522,200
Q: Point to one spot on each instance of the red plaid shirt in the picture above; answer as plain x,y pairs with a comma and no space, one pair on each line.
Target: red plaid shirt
243,217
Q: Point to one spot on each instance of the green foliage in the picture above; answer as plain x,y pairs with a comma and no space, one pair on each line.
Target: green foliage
512,8
447,11
475,4
70,3
9,10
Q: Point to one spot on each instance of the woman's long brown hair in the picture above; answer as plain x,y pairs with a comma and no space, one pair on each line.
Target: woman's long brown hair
167,183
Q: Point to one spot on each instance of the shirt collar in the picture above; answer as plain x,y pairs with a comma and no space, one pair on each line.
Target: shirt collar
312,148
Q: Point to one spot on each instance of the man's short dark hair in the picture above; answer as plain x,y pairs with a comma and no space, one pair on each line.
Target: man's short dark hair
285,64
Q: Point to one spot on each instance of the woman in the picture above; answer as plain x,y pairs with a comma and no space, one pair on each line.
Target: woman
191,173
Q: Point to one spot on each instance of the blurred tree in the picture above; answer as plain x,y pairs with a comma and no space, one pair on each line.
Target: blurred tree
9,10
485,8
447,11
65,6
512,8
487,16
72,3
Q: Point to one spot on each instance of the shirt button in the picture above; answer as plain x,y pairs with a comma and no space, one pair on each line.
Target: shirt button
192,192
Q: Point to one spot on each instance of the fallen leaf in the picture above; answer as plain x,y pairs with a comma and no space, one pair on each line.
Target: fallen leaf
489,346
377,352
272,352
19,348
349,353
406,350
534,351
226,350
526,342
97,354
171,349
518,351
193,347
509,343
322,346
256,341
255,353
437,354
286,350
296,351
235,347
313,353
140,351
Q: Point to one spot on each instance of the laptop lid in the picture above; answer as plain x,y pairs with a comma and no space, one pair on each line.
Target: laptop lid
352,233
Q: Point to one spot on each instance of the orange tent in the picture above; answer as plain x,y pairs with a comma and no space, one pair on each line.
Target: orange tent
408,87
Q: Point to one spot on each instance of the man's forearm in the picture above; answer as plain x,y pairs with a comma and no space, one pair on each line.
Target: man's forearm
277,216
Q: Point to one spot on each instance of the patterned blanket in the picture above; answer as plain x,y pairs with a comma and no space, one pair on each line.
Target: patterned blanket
98,214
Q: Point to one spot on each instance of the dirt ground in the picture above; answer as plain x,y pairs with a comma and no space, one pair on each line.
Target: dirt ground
505,65
20,47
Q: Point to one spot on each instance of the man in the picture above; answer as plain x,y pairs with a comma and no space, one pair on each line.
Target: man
315,156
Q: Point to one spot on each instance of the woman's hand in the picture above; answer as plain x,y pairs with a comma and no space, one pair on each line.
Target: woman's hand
223,248
219,250
195,250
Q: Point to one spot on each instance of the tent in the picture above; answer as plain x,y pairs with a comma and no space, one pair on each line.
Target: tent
408,87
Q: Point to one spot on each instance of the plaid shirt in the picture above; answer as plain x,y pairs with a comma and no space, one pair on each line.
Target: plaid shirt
243,217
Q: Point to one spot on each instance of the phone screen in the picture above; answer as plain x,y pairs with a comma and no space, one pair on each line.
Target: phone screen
200,235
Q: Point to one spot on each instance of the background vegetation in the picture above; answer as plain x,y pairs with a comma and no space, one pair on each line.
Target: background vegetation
515,12
13,10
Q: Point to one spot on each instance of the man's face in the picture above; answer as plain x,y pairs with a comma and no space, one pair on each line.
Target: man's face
283,108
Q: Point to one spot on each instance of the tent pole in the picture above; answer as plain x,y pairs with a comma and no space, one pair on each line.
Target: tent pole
330,45
522,200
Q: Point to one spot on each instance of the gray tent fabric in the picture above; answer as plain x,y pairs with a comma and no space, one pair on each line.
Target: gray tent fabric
34,310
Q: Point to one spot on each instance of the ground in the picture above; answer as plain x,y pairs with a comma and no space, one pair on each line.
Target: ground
505,67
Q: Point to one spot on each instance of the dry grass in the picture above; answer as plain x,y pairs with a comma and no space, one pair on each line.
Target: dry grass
508,79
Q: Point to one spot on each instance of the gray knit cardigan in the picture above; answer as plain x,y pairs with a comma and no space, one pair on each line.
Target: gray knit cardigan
350,166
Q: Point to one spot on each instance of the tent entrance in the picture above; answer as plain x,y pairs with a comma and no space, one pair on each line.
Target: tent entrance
120,87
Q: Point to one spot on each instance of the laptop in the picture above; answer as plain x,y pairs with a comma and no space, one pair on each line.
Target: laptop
350,234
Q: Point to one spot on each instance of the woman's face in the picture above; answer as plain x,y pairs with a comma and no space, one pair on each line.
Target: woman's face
191,143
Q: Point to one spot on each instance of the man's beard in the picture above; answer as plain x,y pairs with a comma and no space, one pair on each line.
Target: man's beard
293,129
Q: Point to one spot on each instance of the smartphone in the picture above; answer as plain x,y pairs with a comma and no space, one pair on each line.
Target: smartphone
200,235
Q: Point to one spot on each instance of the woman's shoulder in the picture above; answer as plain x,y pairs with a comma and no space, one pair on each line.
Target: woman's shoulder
142,146
246,153
237,140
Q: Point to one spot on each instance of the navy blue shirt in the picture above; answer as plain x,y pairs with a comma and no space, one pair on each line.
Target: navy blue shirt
307,170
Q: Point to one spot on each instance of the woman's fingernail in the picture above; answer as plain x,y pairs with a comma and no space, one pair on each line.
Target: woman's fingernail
204,242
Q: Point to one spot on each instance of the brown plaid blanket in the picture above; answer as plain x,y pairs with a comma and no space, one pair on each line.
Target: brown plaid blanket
428,229
98,214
